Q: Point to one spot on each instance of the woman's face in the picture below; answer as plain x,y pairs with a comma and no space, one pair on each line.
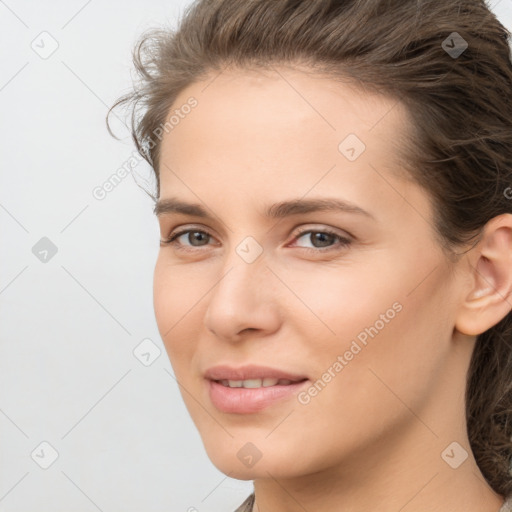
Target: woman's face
365,311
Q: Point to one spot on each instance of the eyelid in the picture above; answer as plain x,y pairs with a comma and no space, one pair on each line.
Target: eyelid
300,229
344,238
179,230
323,228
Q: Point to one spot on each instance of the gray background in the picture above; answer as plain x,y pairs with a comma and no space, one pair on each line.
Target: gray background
71,374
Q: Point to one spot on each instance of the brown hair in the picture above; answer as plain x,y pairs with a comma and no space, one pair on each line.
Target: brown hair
459,148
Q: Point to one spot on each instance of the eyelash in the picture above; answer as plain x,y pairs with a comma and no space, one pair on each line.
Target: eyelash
343,242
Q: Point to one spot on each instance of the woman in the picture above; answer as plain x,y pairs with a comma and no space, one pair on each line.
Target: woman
334,282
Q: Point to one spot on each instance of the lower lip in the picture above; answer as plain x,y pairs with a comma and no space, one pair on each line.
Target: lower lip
247,400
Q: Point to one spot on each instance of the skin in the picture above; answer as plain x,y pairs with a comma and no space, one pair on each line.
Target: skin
372,439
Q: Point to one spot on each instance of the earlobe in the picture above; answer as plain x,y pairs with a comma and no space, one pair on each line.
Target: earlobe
489,266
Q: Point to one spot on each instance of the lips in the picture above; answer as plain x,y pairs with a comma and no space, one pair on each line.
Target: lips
242,400
250,372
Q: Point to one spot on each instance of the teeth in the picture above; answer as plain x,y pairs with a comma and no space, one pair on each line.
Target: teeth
255,383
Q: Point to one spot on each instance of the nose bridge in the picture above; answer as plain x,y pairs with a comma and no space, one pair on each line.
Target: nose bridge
243,270
242,298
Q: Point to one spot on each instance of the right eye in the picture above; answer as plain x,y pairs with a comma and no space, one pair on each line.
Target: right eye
172,239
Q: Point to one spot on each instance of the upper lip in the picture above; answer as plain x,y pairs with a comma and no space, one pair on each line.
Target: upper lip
249,372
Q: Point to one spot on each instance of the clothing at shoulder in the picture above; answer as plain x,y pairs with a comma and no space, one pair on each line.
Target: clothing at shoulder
247,505
507,506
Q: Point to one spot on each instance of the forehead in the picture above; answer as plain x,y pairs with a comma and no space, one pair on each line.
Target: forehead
285,126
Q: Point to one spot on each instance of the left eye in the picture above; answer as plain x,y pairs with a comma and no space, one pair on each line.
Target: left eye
342,242
203,235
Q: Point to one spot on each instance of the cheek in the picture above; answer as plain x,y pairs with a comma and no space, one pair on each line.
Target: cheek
174,304
388,332
340,302
175,292
364,385
387,361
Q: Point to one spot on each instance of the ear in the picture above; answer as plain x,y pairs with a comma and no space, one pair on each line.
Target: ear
488,296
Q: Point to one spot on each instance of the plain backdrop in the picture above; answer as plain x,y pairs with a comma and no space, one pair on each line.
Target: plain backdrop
91,417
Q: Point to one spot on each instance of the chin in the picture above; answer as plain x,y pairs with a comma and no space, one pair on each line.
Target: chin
241,461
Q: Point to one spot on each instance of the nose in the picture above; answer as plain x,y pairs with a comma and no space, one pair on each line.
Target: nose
244,299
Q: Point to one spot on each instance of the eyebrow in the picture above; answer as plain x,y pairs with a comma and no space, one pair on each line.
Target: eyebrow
275,211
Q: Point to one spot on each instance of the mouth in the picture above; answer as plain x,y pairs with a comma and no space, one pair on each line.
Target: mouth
251,388
251,376
252,395
265,382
